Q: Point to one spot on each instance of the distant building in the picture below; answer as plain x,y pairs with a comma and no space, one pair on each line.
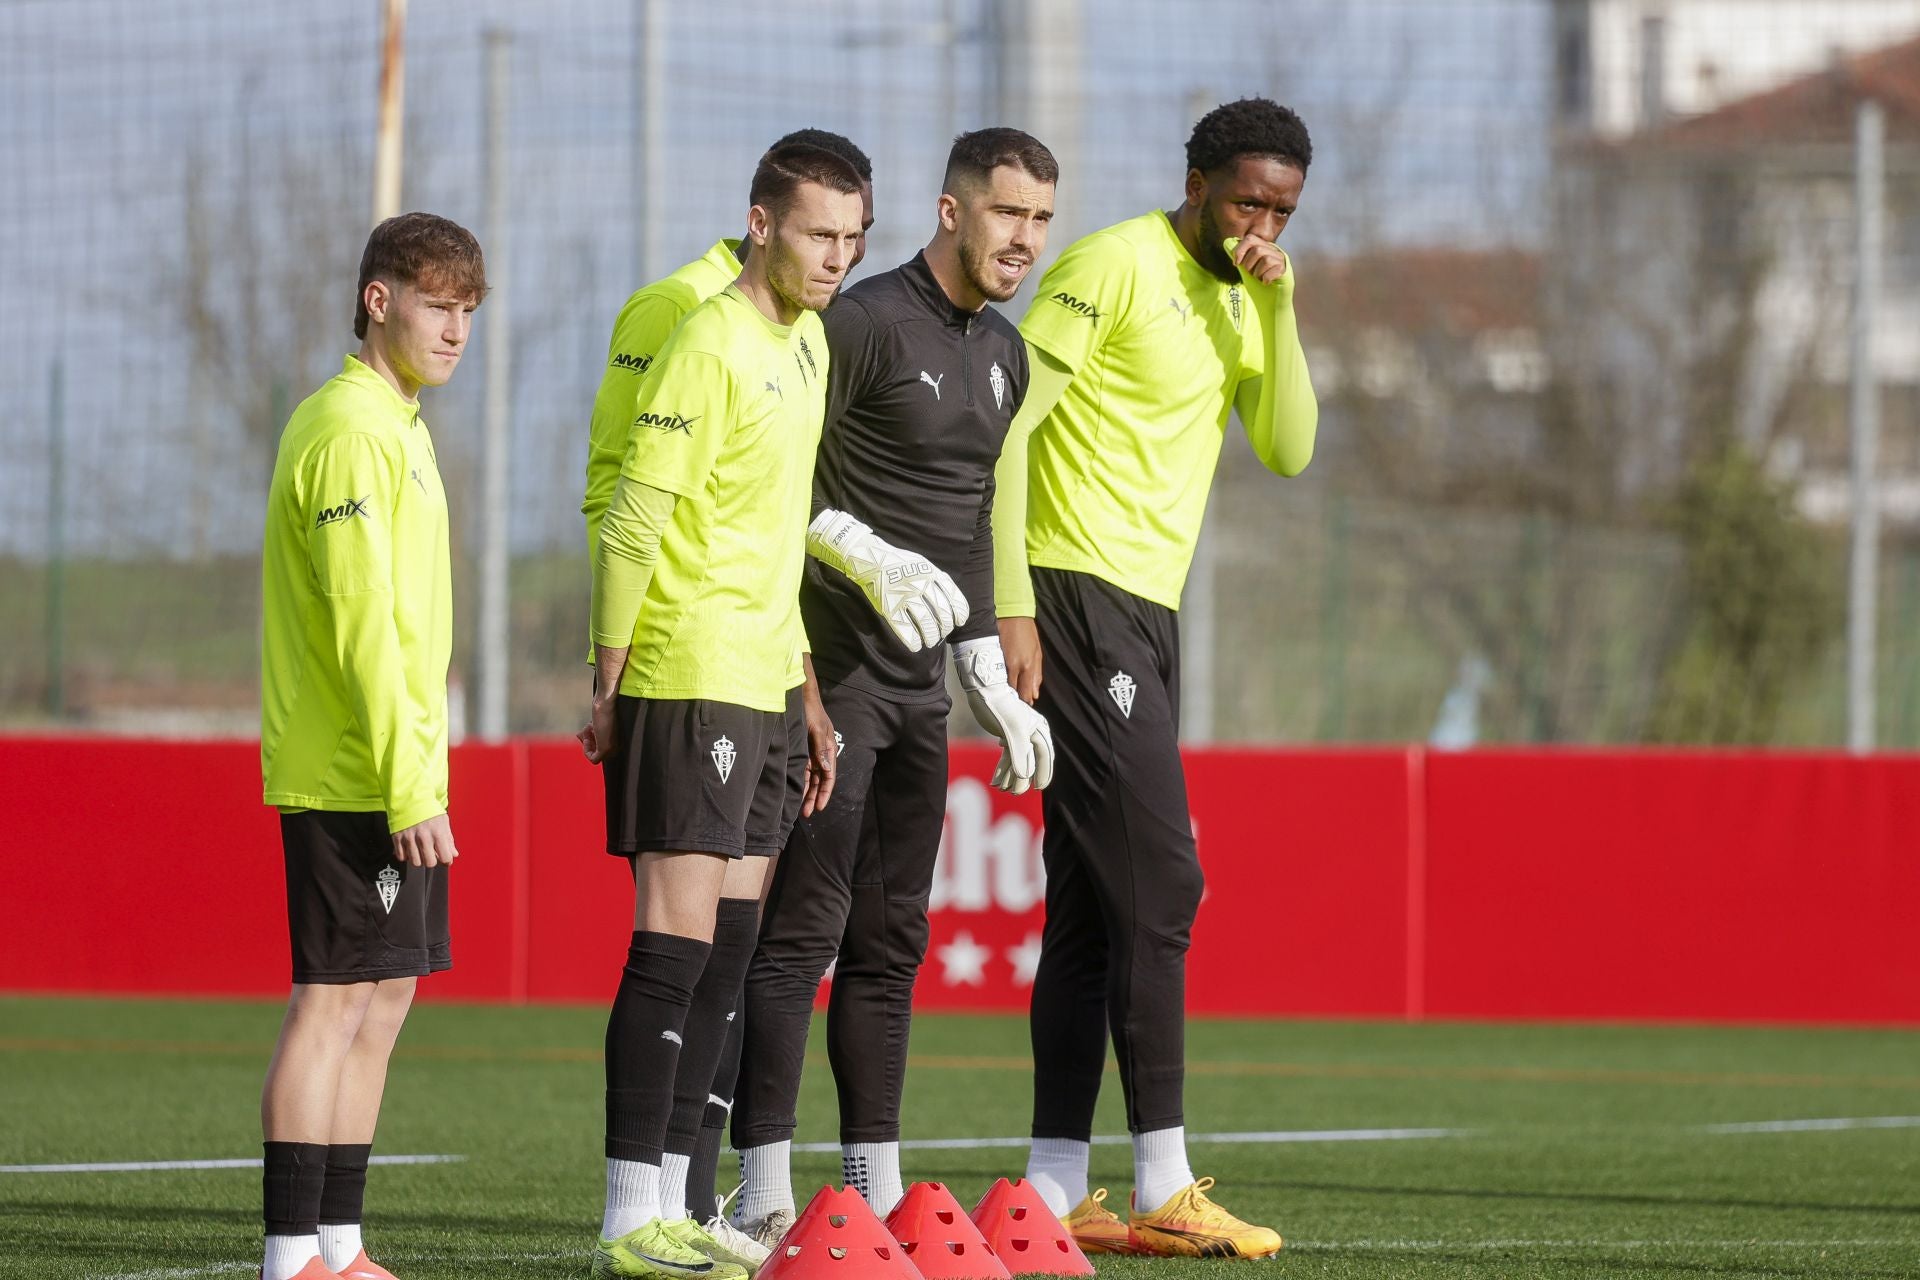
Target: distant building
1625,66
1428,362
1700,268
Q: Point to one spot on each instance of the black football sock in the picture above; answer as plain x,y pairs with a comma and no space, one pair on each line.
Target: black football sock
295,1179
704,1167
644,1039
710,1029
345,1193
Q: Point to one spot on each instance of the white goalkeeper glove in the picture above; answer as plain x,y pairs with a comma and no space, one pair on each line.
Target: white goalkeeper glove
1026,742
919,602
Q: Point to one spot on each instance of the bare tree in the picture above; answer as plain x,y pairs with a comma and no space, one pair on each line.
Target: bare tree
1567,532
268,234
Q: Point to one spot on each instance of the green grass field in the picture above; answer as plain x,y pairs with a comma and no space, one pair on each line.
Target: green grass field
1581,1151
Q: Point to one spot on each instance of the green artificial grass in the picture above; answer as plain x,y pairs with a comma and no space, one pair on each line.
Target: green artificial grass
1580,1151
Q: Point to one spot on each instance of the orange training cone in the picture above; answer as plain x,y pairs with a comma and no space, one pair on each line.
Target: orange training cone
1023,1232
837,1237
942,1241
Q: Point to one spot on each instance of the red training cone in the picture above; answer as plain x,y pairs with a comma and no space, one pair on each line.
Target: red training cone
942,1241
837,1237
1023,1232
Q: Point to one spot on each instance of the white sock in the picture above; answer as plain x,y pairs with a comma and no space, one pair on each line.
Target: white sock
1057,1168
287,1254
339,1245
767,1172
673,1185
633,1197
873,1169
1159,1167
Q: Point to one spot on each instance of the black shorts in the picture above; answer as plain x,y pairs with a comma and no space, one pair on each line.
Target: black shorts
697,776
353,913
777,808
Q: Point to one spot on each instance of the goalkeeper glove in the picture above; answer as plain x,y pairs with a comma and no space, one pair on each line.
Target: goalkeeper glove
919,602
1026,743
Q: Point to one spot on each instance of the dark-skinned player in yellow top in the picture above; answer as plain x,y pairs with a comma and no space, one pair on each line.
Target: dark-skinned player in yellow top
1143,337
696,629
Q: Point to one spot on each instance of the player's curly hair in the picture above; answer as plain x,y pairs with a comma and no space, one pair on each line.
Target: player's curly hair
1249,127
834,142
425,250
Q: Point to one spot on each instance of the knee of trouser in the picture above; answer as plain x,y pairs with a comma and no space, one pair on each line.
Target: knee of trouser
886,941
789,960
1076,955
1167,907
907,934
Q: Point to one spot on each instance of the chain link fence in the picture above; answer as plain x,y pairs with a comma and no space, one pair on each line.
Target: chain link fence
1549,280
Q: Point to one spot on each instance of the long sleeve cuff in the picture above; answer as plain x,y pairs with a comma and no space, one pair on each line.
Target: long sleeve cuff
623,563
1284,417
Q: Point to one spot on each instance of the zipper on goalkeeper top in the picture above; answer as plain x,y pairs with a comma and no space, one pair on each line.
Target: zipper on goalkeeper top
966,358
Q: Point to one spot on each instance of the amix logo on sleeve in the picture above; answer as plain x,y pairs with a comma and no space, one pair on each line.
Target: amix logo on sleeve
666,422
343,511
1073,304
632,364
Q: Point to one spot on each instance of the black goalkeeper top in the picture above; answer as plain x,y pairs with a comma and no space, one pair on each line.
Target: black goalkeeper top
919,399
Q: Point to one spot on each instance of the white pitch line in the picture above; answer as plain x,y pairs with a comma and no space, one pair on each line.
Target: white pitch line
1315,1135
979,1144
222,1268
1115,1140
145,1166
1274,1136
1817,1126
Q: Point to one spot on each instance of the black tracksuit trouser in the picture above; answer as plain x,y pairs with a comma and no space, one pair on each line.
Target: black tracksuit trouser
1123,875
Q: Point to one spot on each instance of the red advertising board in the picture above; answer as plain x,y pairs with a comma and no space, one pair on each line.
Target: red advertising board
1373,883
1673,885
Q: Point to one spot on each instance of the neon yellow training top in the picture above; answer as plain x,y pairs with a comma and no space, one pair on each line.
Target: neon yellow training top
644,324
1116,474
729,419
357,603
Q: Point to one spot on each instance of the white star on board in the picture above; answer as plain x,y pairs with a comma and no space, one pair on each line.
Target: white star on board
964,961
1025,960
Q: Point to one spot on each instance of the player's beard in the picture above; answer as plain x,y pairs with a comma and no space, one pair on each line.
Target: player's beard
787,276
1213,254
976,263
